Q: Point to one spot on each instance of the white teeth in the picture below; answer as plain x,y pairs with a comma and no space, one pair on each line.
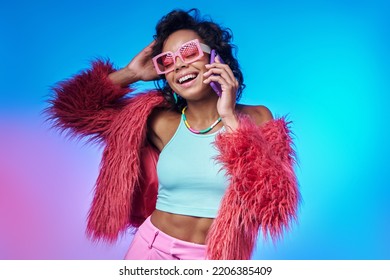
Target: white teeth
186,77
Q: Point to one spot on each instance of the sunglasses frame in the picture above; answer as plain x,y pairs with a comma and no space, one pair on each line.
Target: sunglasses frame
202,48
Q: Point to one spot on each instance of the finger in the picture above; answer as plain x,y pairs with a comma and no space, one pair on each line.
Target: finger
215,78
221,66
220,72
149,48
226,86
151,44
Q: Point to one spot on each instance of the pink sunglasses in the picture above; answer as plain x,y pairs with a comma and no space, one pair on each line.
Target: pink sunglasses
188,52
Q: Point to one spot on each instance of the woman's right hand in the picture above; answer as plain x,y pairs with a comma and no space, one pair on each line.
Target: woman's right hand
140,68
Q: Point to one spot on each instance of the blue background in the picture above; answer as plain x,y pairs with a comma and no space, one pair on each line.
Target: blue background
325,64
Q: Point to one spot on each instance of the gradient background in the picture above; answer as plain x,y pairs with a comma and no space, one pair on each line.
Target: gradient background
324,63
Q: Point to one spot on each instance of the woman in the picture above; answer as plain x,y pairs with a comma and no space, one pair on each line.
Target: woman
196,172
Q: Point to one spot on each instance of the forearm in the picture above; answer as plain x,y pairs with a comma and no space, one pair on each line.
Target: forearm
123,77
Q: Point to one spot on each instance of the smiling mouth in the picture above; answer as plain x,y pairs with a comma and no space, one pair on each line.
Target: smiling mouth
187,78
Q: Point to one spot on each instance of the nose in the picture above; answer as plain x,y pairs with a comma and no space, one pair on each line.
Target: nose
179,63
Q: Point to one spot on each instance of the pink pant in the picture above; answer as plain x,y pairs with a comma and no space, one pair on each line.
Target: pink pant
150,243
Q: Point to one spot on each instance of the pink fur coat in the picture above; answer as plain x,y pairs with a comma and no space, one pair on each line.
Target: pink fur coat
262,195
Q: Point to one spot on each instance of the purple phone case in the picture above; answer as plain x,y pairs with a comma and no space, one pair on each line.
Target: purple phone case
215,85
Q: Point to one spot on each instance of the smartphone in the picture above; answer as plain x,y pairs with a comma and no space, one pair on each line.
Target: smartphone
215,85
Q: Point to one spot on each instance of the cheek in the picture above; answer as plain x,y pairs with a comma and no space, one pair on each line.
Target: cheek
169,78
207,59
204,61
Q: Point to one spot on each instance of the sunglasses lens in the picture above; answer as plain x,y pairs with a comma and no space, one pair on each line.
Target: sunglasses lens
165,62
189,52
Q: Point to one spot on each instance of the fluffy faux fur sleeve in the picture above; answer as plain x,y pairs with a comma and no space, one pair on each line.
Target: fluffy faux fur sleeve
263,192
126,188
85,104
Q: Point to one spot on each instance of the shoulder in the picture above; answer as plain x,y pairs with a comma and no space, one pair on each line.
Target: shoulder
258,113
162,125
162,117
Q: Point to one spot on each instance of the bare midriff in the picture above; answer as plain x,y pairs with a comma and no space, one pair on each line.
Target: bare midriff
186,228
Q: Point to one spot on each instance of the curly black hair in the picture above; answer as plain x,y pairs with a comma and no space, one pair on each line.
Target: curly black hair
214,35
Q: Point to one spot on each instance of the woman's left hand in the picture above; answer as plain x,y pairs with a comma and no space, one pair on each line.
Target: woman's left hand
222,74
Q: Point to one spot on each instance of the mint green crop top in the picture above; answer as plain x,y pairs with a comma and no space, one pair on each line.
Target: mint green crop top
191,181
